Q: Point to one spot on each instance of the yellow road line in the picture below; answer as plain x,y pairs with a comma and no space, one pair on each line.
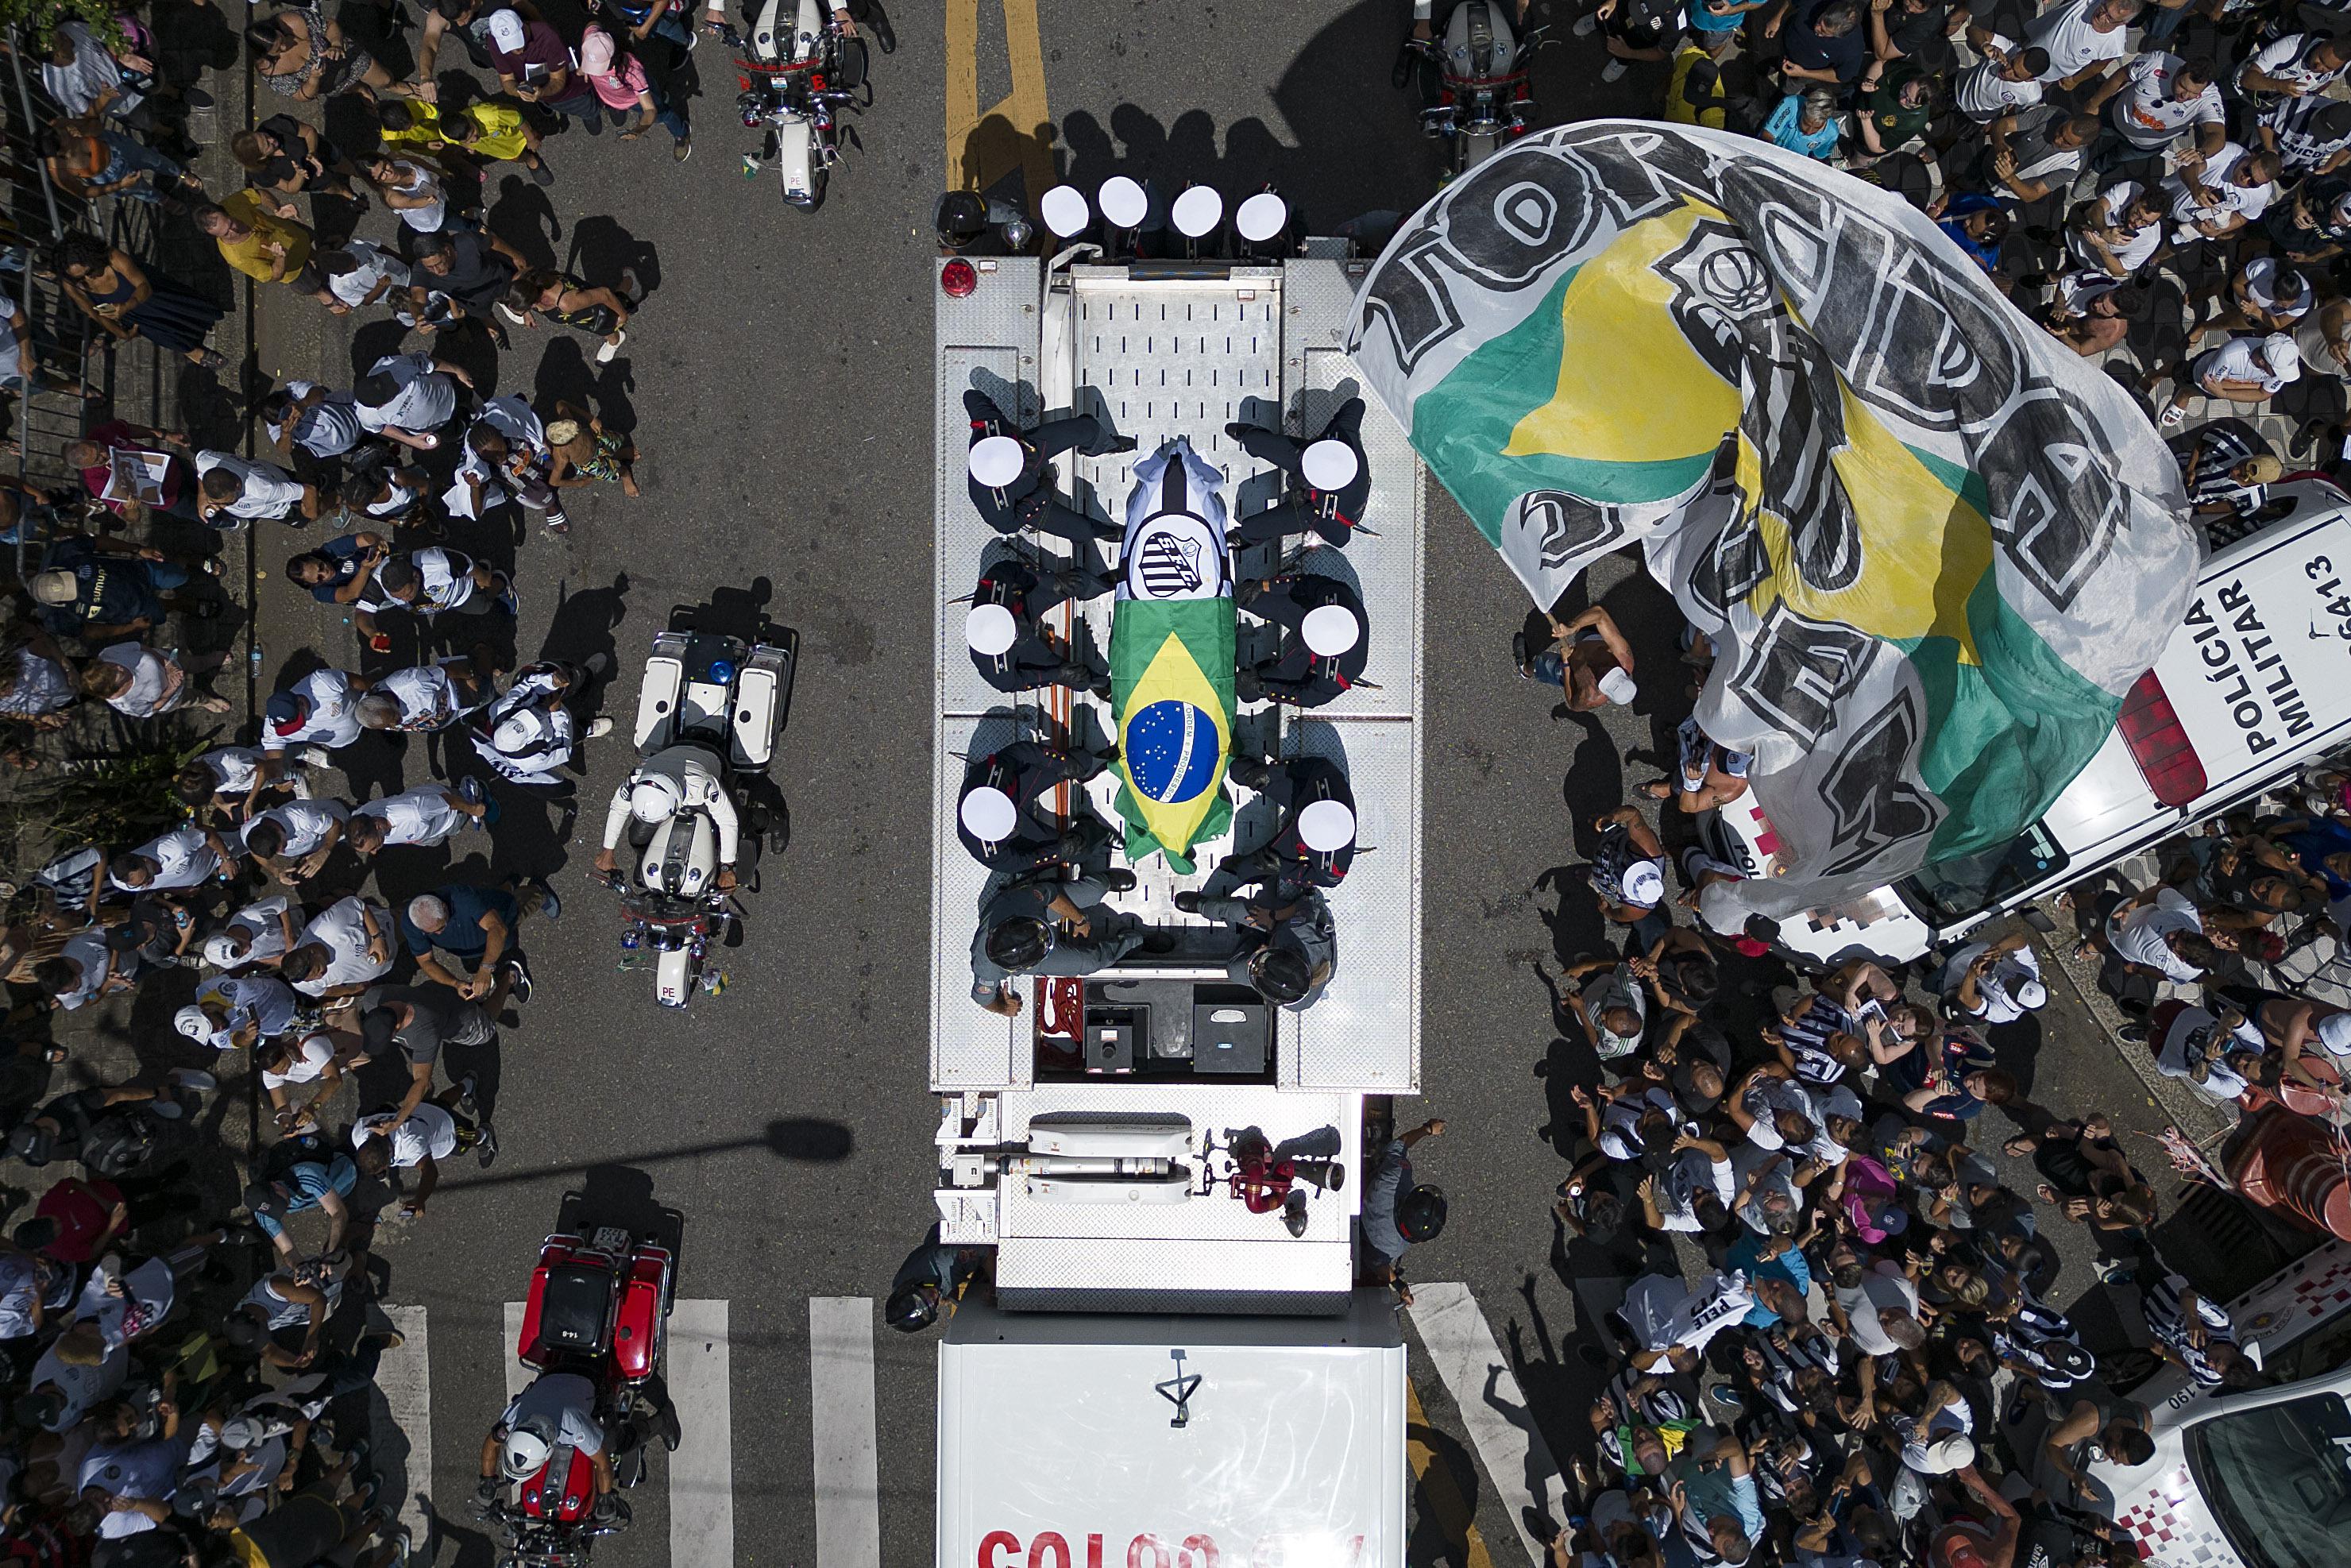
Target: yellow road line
1440,1492
983,145
963,76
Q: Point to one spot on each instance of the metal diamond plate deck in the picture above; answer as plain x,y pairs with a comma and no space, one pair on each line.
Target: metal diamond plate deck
1163,358
1108,1275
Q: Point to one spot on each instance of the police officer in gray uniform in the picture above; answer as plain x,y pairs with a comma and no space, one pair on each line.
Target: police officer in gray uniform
1020,934
1286,952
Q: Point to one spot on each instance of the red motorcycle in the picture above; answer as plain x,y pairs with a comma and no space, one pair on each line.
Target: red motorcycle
599,1307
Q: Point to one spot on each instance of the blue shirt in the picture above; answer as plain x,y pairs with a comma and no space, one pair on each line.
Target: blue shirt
1745,1255
1391,1178
1986,252
1782,128
2313,844
343,550
462,937
306,1184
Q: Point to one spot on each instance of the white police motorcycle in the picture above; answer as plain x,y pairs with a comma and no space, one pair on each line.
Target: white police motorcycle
728,702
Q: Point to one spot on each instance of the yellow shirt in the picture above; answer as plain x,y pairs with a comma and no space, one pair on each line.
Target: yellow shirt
250,255
500,126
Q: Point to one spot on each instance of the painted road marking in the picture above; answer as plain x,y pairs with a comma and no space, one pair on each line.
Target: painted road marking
984,145
1493,1408
1438,1492
701,1472
841,1411
518,1376
404,1377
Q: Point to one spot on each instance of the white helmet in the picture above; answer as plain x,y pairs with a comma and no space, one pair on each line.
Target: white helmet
989,814
1197,212
527,1449
1262,217
1327,826
1124,206
1065,211
1329,630
989,629
654,798
517,732
1330,465
995,461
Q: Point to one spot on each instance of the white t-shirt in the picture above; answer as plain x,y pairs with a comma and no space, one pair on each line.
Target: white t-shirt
2072,44
425,692
83,1388
1997,989
304,823
2194,1026
416,179
11,366
1880,1288
1981,94
270,491
376,266
2261,287
2139,938
426,401
2133,253
150,675
332,721
429,1130
419,816
264,931
2233,362
2282,61
2146,113
2252,201
182,857
342,928
237,767
311,1055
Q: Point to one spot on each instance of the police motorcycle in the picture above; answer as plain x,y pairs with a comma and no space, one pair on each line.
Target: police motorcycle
798,72
1474,80
725,702
598,1307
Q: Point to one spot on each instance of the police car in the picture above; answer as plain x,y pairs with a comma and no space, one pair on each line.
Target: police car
2257,1480
2252,688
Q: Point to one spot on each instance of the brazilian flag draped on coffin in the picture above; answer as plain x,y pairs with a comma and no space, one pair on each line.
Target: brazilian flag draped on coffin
1171,658
1932,547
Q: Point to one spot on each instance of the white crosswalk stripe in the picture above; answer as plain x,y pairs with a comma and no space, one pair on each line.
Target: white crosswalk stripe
701,1472
840,1410
1462,1348
404,1378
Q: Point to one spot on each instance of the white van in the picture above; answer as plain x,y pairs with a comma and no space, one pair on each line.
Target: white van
2257,682
2260,1479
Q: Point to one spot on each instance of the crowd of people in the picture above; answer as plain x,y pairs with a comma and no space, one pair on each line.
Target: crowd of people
187,1339
1846,1337
2165,185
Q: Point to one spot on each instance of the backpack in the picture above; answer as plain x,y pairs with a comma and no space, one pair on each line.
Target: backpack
117,1144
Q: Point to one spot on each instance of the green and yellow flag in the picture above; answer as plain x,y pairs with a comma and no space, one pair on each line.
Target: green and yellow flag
1932,547
1171,659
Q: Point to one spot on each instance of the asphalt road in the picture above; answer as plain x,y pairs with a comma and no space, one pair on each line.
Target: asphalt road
777,384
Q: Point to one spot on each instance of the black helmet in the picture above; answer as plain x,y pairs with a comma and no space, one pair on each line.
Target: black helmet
960,217
1281,975
1421,1215
911,1309
1018,943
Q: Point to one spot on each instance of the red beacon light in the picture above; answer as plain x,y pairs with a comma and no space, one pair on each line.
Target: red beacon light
958,277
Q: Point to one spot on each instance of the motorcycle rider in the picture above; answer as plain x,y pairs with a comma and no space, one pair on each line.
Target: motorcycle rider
677,779
557,1407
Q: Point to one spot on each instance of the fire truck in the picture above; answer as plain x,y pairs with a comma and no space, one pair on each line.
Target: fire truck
1174,1360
